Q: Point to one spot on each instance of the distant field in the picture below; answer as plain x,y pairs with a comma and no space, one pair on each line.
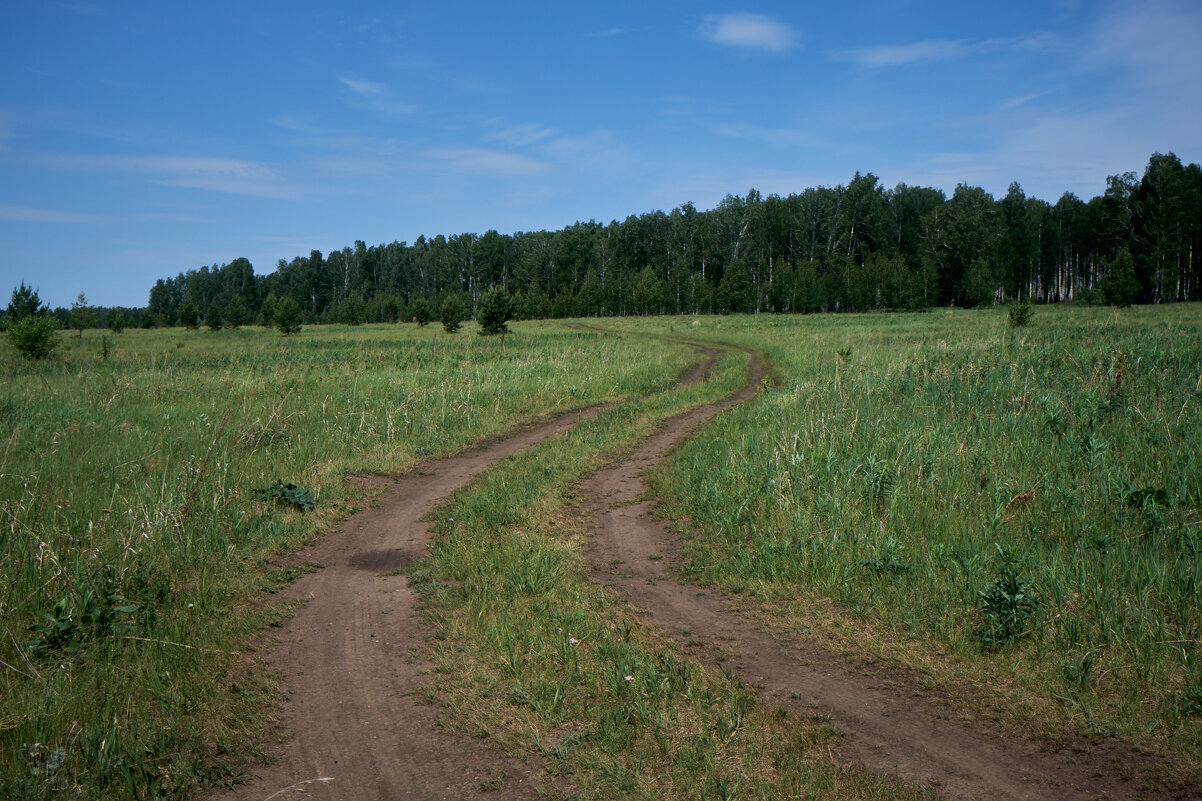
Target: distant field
135,531
1016,509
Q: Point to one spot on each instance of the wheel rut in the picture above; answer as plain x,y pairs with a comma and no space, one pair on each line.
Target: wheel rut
349,661
886,728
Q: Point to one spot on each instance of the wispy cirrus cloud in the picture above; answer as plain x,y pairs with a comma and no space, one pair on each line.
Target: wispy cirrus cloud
913,53
608,32
778,137
753,31
29,214
485,161
522,135
372,96
215,174
931,50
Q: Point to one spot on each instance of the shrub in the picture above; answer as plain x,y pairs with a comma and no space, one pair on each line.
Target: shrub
287,315
1020,315
34,337
213,317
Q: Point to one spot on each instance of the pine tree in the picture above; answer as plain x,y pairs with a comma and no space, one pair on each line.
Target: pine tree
287,315
421,311
452,314
213,317
235,313
493,312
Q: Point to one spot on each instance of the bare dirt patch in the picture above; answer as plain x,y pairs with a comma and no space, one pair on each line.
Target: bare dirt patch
351,667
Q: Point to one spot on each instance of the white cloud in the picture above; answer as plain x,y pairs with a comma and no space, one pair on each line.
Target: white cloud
743,29
29,214
778,137
230,176
377,97
485,161
521,135
931,50
916,52
608,32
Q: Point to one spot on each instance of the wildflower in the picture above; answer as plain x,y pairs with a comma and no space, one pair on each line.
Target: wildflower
573,641
630,678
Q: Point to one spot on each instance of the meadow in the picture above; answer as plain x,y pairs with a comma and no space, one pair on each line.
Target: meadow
1009,514
137,534
1013,513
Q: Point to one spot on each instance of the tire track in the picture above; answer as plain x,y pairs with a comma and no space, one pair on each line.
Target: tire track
887,728
349,661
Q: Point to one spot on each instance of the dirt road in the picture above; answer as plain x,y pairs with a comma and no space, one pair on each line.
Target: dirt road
887,728
348,665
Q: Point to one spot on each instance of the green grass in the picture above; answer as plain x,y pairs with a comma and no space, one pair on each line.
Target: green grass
532,655
1011,510
135,531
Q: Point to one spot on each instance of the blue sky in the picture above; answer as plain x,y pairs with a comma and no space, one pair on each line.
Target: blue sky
138,140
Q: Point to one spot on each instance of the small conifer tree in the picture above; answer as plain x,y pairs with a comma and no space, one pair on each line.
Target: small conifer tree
287,315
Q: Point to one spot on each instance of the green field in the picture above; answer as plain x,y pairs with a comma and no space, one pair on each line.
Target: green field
1016,511
136,533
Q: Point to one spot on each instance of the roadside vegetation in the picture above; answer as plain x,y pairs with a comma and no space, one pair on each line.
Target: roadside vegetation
149,482
1015,512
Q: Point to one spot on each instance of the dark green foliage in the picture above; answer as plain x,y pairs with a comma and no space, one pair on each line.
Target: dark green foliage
24,303
1120,285
648,292
35,337
1020,315
67,626
236,313
421,311
452,314
734,290
493,312
856,247
1007,603
116,321
189,316
287,316
147,321
287,492
389,310
213,317
267,311
353,310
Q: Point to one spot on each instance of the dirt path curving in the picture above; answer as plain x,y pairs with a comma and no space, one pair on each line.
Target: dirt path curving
887,728
349,661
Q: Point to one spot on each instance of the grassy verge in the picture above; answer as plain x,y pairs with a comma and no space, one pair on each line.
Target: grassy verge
1014,510
135,531
530,653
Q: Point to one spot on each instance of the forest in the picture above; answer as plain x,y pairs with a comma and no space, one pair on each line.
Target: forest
858,247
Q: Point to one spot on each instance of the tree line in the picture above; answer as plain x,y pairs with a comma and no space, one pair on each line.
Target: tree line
857,247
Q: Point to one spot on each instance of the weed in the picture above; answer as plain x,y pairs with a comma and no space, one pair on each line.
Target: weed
287,492
1007,603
